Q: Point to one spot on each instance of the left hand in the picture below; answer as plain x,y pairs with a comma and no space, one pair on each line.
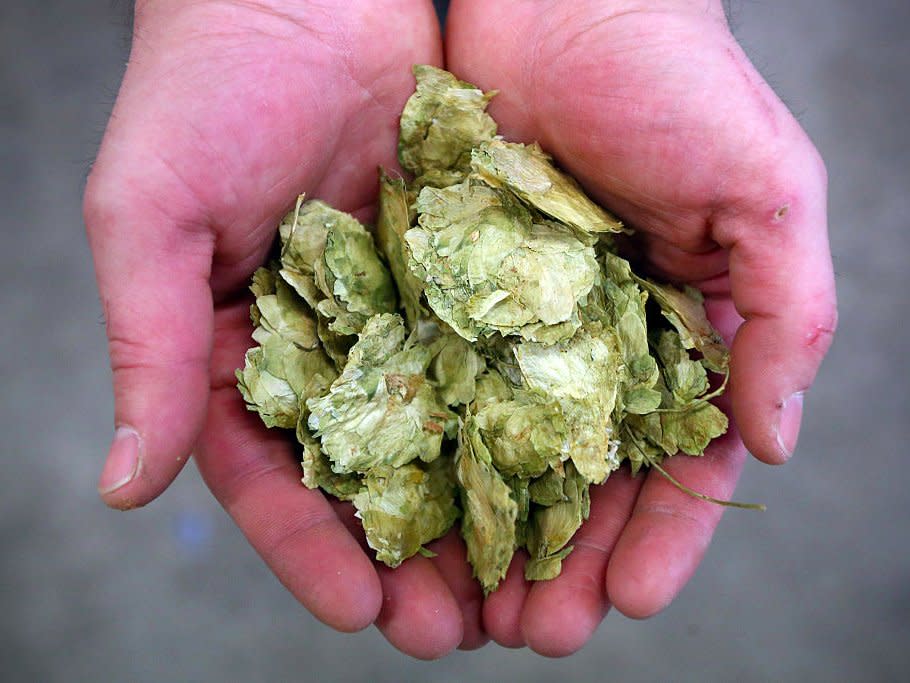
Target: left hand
229,109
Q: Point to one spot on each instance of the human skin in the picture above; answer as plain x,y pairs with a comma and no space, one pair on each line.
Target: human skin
230,109
653,106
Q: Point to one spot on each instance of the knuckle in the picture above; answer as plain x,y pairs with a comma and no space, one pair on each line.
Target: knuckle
820,333
782,185
683,515
127,353
302,531
590,582
97,204
585,569
240,481
819,166
130,349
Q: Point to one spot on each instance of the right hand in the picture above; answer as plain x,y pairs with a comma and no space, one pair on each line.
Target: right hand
227,111
654,107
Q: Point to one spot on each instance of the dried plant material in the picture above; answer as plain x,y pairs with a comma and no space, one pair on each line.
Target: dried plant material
394,220
528,172
455,368
552,527
686,312
442,122
490,512
582,376
531,361
381,411
488,268
403,508
288,366
318,473
331,260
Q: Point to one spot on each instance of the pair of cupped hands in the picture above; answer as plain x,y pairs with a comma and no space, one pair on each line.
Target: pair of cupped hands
229,109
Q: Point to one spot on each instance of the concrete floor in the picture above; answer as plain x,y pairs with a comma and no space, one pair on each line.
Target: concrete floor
816,589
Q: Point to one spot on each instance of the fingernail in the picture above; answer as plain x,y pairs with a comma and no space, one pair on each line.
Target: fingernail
791,415
123,461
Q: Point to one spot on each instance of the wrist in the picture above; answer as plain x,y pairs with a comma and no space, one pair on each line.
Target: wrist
288,7
317,15
707,8
179,22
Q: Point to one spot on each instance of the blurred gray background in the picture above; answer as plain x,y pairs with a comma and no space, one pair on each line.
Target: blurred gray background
817,588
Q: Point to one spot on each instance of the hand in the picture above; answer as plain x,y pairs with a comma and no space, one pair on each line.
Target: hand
653,106
227,111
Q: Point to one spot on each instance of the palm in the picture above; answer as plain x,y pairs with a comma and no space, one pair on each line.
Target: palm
659,115
650,110
257,105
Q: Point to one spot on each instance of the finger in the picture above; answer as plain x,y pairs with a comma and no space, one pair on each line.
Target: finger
782,283
407,626
451,562
503,607
420,609
152,260
669,530
561,615
419,615
255,475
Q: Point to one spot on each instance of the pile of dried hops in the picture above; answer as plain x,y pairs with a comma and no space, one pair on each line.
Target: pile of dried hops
529,363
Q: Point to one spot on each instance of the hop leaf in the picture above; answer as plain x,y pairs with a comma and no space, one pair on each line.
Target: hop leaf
288,366
552,527
530,174
402,508
582,375
441,123
393,222
381,411
488,268
330,259
684,310
490,512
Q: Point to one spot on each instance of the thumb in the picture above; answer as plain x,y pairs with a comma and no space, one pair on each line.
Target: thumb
152,265
782,283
